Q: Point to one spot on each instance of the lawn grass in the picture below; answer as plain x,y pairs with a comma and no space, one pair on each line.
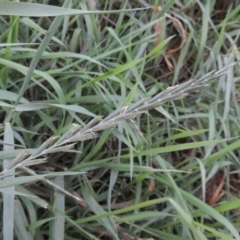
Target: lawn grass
120,120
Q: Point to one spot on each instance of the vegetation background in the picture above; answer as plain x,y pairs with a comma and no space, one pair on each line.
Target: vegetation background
120,119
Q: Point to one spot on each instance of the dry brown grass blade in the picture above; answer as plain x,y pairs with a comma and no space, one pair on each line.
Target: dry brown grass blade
109,20
169,64
217,193
158,28
151,186
182,33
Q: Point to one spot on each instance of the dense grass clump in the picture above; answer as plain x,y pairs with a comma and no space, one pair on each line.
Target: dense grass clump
120,119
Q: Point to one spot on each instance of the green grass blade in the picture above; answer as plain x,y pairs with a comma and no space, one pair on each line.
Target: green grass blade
21,222
8,198
97,209
58,224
